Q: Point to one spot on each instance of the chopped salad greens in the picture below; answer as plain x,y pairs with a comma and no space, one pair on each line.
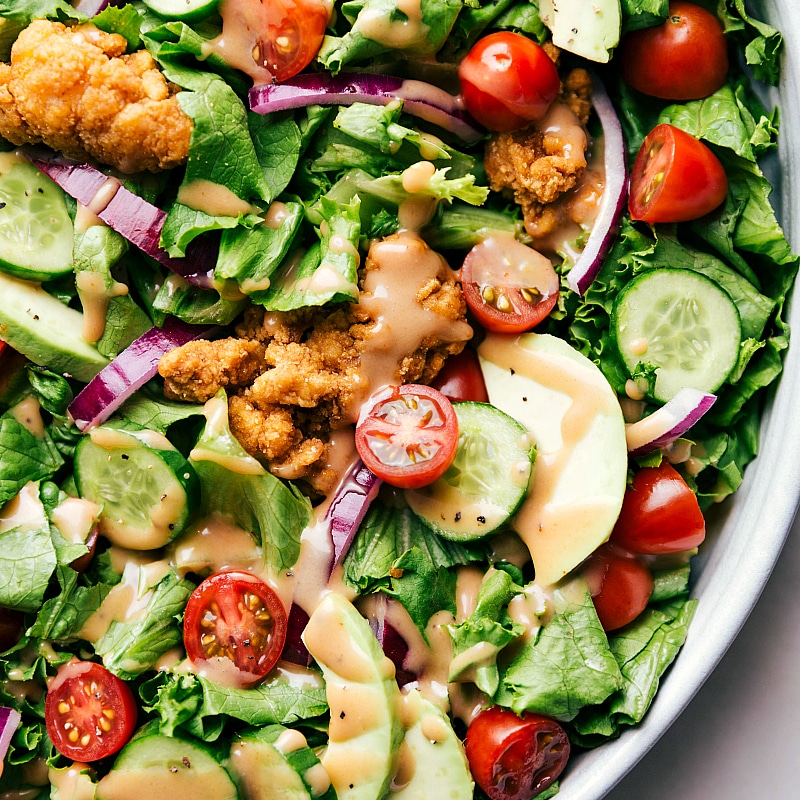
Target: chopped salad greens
185,609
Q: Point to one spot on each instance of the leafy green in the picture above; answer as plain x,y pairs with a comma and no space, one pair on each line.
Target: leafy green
232,481
129,648
567,666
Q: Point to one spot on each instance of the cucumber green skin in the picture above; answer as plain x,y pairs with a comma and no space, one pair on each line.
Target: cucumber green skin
46,331
96,467
640,299
167,757
503,493
42,250
185,10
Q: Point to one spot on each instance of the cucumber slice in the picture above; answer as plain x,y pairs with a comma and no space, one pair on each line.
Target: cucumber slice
185,10
46,331
682,323
36,233
487,481
155,767
145,486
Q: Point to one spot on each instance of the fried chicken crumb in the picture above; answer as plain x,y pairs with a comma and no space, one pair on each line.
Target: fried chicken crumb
76,90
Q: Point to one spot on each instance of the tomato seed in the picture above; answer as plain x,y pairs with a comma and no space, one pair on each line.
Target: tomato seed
63,708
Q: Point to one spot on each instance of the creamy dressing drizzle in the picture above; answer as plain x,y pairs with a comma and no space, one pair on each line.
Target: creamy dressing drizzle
380,24
95,297
212,198
28,413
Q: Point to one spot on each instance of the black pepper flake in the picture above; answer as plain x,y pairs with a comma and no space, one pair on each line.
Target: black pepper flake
513,371
124,456
458,516
342,715
524,399
173,768
171,526
2,205
186,763
352,785
481,520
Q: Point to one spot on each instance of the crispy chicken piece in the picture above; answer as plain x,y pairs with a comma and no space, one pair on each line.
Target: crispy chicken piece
537,165
314,374
199,369
75,90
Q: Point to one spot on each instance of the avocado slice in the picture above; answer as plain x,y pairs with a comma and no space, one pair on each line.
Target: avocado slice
432,759
576,422
46,331
365,730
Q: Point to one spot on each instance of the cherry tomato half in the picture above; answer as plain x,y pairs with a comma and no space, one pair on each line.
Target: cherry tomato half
512,757
660,514
235,615
89,712
620,585
507,81
685,58
283,36
407,435
508,286
461,378
675,178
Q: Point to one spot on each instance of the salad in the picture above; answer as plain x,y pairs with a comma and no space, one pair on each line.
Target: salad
367,373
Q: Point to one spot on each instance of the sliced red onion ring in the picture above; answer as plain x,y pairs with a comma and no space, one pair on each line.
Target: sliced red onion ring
615,194
346,512
129,371
9,720
394,645
137,220
423,100
669,422
295,650
92,7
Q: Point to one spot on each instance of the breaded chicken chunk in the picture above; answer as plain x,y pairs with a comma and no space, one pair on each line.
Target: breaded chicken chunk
537,165
77,91
319,364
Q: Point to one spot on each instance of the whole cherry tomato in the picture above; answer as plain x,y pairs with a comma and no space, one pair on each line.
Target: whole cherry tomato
513,757
461,378
235,615
507,81
407,435
508,286
675,178
89,712
660,514
685,58
620,585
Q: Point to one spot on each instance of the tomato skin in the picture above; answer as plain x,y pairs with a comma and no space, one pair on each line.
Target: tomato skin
675,178
620,585
461,378
87,698
685,58
247,623
508,286
513,757
407,435
289,35
660,514
507,81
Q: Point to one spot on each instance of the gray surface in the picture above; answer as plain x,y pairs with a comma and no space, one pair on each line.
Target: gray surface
738,739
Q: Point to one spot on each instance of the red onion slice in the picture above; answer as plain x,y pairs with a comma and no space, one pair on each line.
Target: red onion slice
421,99
129,371
9,720
394,646
137,220
92,7
615,194
669,422
347,510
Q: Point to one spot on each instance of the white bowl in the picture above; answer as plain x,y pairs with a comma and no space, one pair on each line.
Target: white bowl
736,561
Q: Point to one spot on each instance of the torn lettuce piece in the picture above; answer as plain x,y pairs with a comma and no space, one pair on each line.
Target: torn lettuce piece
196,306
249,257
234,483
328,271
439,186
132,646
371,19
478,639
644,649
567,666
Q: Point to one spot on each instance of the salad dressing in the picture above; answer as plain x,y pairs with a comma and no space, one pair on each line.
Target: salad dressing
74,518
28,412
73,783
212,198
95,296
23,511
382,25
